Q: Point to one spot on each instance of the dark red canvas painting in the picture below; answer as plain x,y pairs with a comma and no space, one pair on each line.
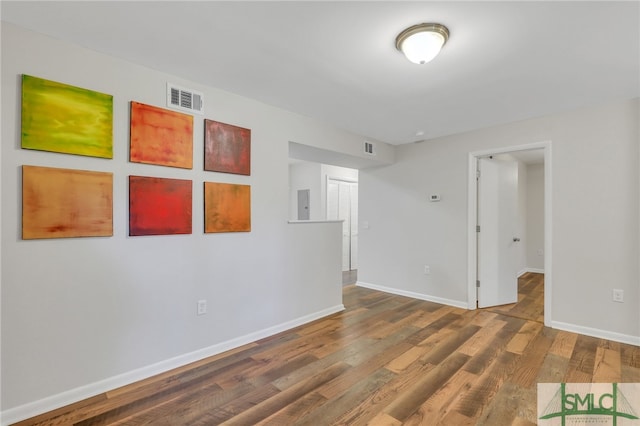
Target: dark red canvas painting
159,206
227,148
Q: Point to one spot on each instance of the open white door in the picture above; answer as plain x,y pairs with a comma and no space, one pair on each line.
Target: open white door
497,239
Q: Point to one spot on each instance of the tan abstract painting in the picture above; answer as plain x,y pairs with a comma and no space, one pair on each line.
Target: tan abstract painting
66,203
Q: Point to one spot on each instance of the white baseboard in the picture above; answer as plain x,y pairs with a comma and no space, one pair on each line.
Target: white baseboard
53,402
420,296
534,270
595,332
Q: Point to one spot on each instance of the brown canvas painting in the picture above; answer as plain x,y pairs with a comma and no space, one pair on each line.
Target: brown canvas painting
227,148
227,207
65,203
160,136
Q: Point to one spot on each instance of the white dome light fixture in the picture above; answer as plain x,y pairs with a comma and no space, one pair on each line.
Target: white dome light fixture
421,43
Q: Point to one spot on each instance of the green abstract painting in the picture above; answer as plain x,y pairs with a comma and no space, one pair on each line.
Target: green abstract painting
57,117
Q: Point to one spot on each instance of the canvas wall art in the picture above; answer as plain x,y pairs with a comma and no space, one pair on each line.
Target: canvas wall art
227,148
61,118
65,203
160,136
159,206
227,207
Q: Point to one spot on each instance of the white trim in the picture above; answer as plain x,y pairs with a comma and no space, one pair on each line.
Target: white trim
472,200
62,399
296,222
548,232
534,270
340,178
419,296
595,332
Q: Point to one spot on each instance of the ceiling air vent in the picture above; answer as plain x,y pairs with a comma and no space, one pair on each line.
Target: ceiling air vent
369,148
184,99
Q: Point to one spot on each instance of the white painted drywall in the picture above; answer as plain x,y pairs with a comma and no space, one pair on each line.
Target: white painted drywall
82,314
535,217
594,215
305,175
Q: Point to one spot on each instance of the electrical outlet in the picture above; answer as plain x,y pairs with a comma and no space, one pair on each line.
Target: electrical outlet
427,269
202,307
618,295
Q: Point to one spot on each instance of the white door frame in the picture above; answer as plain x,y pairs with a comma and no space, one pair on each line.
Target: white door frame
472,248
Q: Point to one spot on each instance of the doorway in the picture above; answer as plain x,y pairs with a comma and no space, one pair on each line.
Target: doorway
342,204
474,200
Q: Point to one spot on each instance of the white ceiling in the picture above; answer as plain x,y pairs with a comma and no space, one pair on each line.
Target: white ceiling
336,61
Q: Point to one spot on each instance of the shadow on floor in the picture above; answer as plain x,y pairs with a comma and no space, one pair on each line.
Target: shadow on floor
349,277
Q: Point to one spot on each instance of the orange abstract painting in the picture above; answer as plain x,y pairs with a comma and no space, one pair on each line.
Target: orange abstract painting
227,207
160,136
65,203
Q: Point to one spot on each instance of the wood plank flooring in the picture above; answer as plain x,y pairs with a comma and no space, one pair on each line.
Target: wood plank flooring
385,360
530,305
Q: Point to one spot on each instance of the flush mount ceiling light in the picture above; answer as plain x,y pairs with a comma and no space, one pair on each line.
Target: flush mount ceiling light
421,43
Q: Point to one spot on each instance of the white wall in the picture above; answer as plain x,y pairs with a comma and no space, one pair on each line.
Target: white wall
594,216
81,316
535,217
305,175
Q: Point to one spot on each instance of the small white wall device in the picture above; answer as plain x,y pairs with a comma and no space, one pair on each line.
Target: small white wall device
434,197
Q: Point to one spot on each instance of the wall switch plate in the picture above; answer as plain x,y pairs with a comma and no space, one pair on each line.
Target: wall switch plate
202,307
618,295
427,269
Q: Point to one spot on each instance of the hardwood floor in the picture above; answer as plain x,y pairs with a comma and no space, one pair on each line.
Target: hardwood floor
385,360
530,305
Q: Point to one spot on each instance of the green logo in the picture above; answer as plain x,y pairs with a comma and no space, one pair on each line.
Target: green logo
589,402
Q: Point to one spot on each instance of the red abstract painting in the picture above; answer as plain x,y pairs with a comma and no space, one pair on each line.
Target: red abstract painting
159,206
227,148
160,136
